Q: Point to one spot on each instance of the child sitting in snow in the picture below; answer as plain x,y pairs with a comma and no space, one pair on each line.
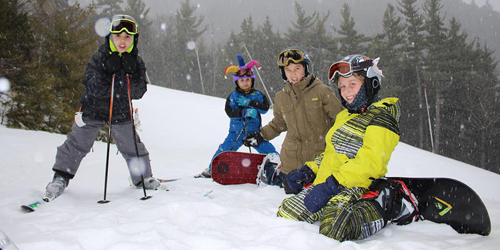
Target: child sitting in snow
244,107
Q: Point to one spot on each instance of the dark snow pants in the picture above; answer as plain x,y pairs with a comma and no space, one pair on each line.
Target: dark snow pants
81,139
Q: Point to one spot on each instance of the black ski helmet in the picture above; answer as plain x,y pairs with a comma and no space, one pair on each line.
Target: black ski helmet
295,55
362,65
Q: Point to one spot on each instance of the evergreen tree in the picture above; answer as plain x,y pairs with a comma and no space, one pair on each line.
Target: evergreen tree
389,47
323,48
461,57
300,34
17,41
67,43
437,76
412,97
187,44
158,64
269,43
350,41
480,109
137,9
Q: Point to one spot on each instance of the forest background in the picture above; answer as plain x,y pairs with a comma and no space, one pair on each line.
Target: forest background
438,56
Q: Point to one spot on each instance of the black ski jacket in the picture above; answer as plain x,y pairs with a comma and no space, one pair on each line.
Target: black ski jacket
95,101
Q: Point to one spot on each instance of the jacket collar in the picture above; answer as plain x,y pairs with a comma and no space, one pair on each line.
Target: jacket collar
301,86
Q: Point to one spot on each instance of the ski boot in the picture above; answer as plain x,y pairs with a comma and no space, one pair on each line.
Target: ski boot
207,173
269,171
150,183
55,188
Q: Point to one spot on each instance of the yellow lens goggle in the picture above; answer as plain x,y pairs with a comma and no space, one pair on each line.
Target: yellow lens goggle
290,55
120,25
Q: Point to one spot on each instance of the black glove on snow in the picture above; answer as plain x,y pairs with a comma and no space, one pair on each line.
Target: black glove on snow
129,64
253,139
113,63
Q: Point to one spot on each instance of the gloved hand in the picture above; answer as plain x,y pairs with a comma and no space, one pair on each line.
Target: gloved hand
250,113
129,64
113,63
253,139
243,101
321,194
298,178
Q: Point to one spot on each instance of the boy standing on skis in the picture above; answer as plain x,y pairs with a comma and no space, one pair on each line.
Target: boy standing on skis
114,76
244,107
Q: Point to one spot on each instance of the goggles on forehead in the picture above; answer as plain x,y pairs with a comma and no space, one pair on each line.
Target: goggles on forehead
345,69
244,72
120,25
293,55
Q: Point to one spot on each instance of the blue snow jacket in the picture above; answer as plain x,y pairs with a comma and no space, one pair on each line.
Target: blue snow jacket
237,113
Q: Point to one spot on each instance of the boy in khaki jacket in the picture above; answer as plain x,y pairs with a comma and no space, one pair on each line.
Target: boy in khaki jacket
306,109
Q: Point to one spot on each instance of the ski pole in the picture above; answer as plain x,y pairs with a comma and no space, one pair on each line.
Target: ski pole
247,120
103,201
134,133
239,135
258,74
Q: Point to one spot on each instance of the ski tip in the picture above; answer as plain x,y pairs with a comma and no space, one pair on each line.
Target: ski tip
31,207
27,209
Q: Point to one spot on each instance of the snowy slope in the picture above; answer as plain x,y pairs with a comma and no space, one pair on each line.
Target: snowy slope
182,131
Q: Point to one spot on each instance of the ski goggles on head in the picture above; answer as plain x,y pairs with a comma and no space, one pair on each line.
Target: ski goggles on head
120,25
345,69
244,72
290,55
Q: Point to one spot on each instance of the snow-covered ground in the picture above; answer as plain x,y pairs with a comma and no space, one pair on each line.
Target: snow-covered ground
182,131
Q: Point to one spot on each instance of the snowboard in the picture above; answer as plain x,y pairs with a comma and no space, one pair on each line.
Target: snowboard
449,201
229,168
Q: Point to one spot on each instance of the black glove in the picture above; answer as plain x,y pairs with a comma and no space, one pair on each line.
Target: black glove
129,64
113,63
298,178
253,139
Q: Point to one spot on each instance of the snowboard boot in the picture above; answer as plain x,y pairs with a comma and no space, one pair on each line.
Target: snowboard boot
394,201
55,188
408,211
268,171
207,173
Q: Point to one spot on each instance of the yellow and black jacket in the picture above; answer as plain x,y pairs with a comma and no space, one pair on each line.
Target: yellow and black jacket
359,146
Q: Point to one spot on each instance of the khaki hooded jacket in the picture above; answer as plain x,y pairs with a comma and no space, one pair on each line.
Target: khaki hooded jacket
306,111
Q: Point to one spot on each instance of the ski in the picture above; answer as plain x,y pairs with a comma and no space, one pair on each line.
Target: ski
32,207
167,180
